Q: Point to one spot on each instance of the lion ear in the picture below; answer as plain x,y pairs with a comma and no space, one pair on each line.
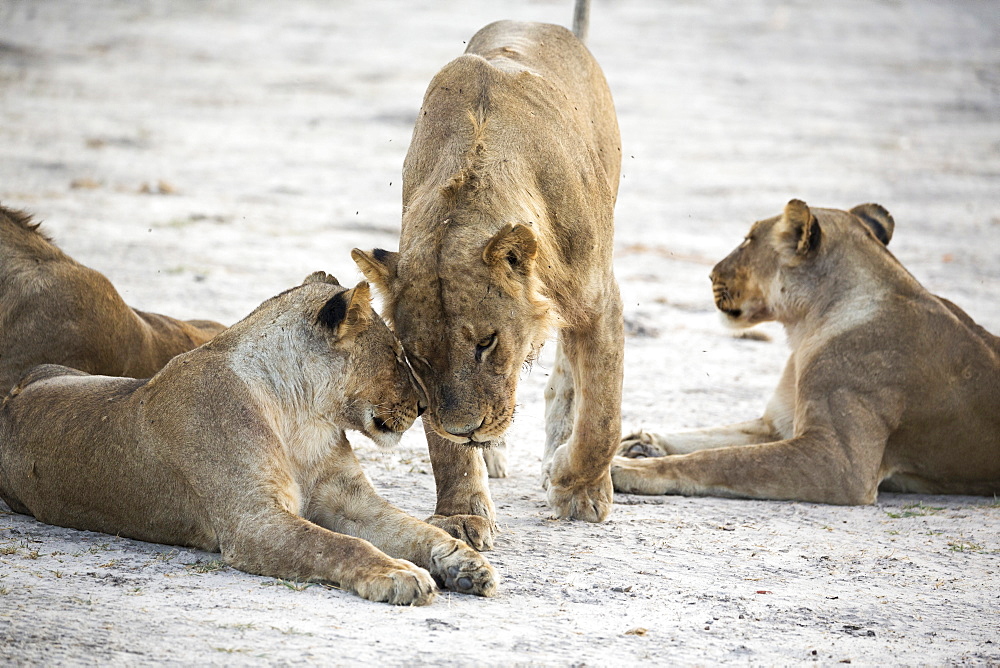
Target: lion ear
801,227
378,266
348,312
320,277
877,219
514,245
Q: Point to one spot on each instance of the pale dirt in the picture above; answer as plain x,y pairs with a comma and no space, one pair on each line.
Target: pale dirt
278,131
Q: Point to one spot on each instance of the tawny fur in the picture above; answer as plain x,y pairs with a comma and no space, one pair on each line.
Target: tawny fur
53,310
240,447
888,386
509,188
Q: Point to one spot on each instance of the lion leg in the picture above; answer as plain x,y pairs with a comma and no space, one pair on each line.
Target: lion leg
496,458
774,425
464,506
347,503
277,543
647,444
577,476
832,461
559,411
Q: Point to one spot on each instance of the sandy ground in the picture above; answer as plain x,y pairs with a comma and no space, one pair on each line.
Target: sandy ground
206,155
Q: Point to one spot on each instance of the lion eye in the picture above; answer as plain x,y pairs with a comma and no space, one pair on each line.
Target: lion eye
485,345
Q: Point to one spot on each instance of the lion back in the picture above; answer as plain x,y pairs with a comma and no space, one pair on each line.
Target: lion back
560,61
42,372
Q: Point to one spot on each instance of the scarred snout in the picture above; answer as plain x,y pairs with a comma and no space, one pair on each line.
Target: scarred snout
463,416
464,430
458,415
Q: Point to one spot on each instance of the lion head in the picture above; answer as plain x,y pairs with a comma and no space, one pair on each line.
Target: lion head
469,311
373,391
785,263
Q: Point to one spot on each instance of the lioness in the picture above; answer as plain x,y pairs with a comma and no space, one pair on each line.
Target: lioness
509,188
239,447
888,386
55,310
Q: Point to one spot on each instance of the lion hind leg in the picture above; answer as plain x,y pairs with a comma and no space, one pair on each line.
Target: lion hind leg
559,404
590,359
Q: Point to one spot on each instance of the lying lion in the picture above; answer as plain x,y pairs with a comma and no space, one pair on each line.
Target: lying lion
57,311
509,188
239,447
888,386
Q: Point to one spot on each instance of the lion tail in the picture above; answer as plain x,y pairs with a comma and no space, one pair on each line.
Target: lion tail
581,19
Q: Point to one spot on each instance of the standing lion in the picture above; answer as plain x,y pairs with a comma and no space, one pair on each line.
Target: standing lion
54,310
888,386
509,189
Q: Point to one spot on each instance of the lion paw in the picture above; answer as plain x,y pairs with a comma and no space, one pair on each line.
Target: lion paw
589,502
474,530
572,498
460,568
402,583
622,476
631,476
642,444
496,461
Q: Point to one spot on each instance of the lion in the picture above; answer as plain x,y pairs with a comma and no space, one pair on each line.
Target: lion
239,447
55,310
888,386
509,187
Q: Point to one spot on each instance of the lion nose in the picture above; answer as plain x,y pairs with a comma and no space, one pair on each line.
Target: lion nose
464,430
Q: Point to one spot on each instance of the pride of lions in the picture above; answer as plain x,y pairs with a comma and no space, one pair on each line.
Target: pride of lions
234,440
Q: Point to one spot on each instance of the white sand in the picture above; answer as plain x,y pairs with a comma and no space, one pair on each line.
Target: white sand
279,130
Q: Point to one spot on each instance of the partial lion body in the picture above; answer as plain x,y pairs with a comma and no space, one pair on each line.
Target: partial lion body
509,188
121,458
240,447
57,311
888,386
948,438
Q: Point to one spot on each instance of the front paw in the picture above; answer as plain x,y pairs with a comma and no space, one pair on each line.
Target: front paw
573,498
636,476
642,444
460,568
398,583
474,530
590,502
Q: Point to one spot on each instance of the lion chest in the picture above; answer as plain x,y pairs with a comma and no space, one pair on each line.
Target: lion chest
309,455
